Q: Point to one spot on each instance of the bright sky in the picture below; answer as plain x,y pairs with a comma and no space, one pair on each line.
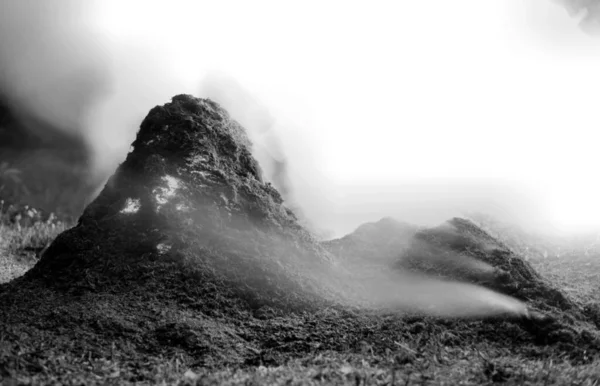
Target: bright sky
412,109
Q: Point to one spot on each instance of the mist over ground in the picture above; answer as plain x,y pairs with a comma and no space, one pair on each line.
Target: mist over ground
188,264
351,124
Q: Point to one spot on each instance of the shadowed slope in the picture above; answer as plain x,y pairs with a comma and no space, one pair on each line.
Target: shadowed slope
460,249
189,193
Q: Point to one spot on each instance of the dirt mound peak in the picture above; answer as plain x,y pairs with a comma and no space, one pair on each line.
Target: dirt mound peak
189,193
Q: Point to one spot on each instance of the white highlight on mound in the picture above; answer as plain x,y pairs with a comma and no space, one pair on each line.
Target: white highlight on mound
163,194
163,248
131,206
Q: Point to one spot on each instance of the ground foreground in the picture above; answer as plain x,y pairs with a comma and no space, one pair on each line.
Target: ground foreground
188,269
156,330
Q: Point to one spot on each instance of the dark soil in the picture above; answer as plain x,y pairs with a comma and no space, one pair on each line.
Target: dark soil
189,267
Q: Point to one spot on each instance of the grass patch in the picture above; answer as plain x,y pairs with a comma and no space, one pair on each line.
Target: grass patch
20,246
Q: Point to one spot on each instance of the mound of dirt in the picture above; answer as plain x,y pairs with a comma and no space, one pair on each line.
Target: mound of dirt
188,252
459,250
190,192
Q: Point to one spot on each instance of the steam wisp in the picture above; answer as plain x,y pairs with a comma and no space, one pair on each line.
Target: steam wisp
406,293
381,288
588,12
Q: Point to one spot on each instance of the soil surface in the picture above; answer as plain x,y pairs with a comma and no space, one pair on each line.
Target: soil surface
189,268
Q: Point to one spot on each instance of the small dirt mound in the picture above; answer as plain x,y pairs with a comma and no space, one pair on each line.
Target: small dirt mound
190,193
459,249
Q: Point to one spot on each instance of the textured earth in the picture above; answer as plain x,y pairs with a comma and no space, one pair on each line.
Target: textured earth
189,268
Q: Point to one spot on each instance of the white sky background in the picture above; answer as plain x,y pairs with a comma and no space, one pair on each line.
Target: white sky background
416,110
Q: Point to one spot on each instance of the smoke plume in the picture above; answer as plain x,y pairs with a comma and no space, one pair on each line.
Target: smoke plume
53,66
57,65
588,12
410,293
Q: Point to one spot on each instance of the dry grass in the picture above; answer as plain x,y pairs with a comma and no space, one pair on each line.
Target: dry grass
19,246
578,276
